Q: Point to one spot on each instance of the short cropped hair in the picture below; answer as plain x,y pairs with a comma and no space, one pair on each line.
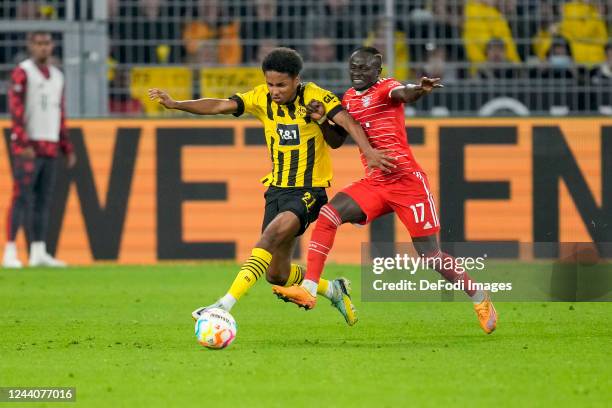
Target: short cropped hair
34,34
283,60
372,51
368,50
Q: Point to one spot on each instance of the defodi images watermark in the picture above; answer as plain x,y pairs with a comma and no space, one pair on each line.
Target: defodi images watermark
534,272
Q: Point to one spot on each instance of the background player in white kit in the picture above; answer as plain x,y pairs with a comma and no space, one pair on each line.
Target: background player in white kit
36,102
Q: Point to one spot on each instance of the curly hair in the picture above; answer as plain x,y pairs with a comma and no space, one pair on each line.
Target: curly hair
283,60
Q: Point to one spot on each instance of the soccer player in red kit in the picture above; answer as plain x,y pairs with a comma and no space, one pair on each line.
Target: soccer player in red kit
378,105
39,132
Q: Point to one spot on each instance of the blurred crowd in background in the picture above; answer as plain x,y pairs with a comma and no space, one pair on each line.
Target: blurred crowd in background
499,42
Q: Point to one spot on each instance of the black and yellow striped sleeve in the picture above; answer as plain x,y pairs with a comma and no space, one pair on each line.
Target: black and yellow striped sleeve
240,103
330,101
247,102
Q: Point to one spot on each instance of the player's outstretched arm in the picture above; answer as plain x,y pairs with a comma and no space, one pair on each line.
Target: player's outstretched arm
204,106
411,93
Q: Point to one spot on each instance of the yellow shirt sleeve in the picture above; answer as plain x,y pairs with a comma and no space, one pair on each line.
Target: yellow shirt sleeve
330,101
249,102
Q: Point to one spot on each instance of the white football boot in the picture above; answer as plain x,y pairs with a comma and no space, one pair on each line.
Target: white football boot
10,259
40,257
226,303
198,312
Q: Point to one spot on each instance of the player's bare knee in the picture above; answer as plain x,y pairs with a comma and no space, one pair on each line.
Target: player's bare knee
283,228
346,208
270,240
426,246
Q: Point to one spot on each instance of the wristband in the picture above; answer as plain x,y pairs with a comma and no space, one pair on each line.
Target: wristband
322,120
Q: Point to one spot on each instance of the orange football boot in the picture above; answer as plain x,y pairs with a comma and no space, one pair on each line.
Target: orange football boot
295,294
487,316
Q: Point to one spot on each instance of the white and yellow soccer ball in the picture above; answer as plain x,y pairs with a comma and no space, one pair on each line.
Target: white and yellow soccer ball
216,329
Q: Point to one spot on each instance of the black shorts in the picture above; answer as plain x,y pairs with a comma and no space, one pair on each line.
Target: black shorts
305,202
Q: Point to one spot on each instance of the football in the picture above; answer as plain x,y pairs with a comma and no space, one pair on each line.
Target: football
216,329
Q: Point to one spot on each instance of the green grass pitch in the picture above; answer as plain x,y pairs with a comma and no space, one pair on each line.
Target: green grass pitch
123,336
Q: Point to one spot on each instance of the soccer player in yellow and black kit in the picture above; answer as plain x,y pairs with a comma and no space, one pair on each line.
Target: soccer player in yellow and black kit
301,170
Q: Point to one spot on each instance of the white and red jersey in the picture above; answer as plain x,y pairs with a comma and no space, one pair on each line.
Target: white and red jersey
382,119
36,100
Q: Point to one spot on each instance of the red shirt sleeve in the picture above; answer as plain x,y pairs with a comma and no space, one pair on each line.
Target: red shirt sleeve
388,86
64,141
17,92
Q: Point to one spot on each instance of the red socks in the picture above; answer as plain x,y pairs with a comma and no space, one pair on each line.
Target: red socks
321,241
449,271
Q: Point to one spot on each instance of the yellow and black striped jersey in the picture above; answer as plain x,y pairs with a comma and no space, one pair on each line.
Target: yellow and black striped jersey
299,154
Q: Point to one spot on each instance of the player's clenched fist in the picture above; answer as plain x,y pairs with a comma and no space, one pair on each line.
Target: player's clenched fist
315,110
162,97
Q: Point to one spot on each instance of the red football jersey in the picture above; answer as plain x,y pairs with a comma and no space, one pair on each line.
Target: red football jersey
382,119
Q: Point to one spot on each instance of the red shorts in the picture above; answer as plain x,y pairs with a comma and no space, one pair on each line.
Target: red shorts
409,197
